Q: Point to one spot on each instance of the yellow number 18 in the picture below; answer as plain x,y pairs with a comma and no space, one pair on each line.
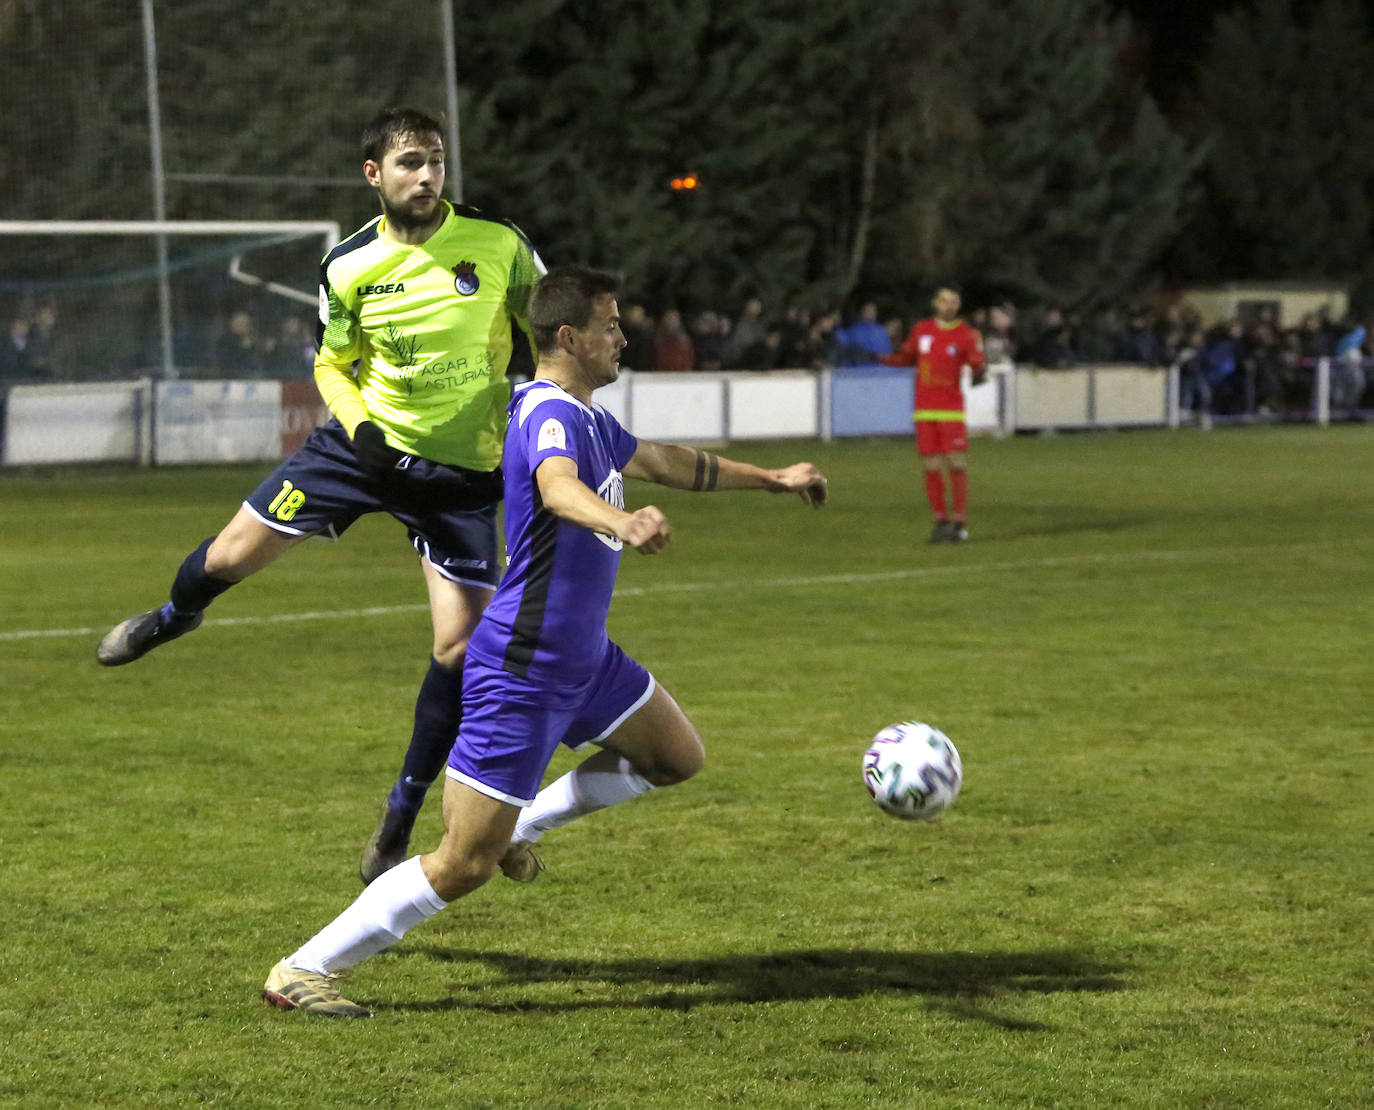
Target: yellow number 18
287,503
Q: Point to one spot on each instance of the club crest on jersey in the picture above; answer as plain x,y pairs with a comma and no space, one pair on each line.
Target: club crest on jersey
552,435
465,279
612,491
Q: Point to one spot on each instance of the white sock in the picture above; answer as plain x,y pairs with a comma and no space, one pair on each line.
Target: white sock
576,794
394,902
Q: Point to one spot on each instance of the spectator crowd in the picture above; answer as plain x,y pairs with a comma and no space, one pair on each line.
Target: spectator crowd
1254,365
30,349
39,345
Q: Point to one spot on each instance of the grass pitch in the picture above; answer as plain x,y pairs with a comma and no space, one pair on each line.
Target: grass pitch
1154,892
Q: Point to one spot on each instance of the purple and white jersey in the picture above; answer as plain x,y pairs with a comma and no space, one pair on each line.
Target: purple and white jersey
547,620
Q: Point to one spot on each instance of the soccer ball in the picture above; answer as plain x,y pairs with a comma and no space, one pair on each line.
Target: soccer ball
913,771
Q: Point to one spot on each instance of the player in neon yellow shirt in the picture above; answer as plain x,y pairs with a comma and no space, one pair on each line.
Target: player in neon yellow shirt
421,313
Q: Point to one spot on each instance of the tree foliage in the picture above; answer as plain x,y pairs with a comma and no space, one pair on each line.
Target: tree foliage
74,123
1021,159
842,146
1289,111
839,145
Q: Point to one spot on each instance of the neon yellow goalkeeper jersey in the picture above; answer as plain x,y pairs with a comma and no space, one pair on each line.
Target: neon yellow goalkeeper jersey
417,338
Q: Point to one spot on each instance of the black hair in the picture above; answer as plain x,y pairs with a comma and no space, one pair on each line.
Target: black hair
393,126
566,295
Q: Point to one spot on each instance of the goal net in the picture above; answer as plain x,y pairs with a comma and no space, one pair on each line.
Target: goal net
90,300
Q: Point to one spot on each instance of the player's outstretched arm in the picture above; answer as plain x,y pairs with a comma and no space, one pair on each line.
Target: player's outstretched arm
565,495
690,468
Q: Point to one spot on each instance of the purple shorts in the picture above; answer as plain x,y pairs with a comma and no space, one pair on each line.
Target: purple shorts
449,512
512,726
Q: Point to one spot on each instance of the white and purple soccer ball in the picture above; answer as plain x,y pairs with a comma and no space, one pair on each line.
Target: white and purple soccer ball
913,771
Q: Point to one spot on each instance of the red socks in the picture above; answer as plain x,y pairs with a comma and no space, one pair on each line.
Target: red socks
935,494
958,483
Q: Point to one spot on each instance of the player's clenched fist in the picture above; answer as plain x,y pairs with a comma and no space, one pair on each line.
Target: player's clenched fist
804,479
647,530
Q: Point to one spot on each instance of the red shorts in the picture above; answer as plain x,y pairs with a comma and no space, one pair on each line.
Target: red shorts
941,437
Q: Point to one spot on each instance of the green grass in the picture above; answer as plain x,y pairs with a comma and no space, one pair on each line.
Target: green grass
1154,891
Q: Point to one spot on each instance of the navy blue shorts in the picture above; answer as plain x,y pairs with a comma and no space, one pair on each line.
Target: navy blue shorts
512,726
449,512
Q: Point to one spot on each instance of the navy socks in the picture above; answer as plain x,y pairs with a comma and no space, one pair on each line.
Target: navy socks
438,710
193,589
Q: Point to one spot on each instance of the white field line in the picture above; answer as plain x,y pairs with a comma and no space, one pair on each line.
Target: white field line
1122,558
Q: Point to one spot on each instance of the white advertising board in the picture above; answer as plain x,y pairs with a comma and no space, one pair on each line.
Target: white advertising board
673,407
773,405
88,422
223,421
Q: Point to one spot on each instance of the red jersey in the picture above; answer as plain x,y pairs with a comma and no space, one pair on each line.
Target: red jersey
939,352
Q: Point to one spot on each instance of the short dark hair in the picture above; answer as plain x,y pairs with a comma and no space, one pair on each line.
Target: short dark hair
393,126
566,295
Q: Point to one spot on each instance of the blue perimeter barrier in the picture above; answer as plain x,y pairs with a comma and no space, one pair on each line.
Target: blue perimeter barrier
870,401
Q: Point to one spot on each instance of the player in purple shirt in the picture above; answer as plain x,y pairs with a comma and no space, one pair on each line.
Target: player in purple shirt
550,619
540,668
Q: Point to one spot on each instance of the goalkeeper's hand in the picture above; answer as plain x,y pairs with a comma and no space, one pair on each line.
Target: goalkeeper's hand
375,455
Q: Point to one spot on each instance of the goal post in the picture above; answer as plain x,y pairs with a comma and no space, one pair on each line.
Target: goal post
101,281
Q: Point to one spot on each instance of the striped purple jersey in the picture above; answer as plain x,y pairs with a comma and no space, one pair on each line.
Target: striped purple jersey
547,620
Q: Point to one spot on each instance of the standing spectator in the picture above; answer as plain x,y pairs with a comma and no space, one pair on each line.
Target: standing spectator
1296,378
896,331
1262,361
43,341
1194,385
1347,370
1097,340
772,350
794,329
1054,347
819,348
863,341
708,341
238,351
940,348
16,360
1314,339
746,337
639,339
761,353
672,345
1140,342
999,341
1172,332
292,352
1223,359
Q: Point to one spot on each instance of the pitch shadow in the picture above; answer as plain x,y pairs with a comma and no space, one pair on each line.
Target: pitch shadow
959,980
